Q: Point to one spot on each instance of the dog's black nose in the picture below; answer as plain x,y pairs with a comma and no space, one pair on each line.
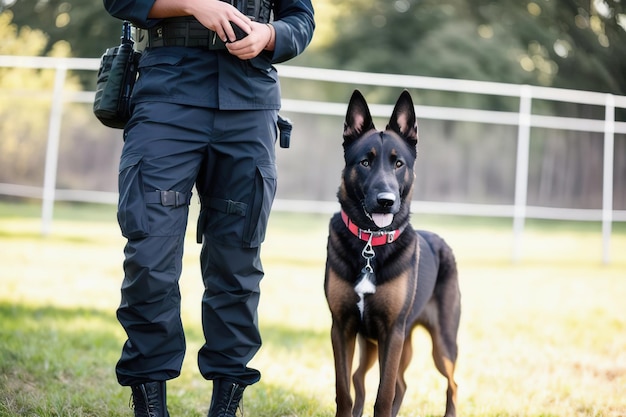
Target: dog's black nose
385,199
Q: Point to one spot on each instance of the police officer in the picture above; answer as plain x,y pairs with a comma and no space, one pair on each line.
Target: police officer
205,109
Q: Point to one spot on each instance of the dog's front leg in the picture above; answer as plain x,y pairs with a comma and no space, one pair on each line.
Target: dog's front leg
343,341
368,353
389,357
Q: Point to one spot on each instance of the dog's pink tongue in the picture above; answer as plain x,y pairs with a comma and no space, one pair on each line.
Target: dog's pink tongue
382,219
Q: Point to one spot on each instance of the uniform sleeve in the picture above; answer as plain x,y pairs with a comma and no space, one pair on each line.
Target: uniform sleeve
135,11
294,24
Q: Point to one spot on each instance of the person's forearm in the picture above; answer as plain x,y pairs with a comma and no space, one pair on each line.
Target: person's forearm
213,14
171,8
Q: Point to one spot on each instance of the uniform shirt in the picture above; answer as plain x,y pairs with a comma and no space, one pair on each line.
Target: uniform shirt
217,79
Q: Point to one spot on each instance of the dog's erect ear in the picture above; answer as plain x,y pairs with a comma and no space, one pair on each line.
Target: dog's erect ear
403,120
358,118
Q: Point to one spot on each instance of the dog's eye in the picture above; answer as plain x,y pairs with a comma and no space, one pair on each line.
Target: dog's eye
399,164
365,162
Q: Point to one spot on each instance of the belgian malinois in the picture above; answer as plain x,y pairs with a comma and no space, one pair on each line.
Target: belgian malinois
383,278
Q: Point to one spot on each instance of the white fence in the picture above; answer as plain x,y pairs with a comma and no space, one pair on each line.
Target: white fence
524,119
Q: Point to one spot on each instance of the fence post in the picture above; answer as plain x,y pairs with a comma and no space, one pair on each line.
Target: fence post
607,181
521,169
52,148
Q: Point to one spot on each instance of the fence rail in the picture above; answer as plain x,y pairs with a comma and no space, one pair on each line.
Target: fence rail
524,119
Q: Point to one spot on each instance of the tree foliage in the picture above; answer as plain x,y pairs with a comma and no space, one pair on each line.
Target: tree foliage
560,43
25,101
563,43
84,24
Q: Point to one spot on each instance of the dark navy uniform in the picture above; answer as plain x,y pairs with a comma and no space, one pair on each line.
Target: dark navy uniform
205,118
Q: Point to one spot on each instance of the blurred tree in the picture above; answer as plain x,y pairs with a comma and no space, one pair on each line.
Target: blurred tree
577,44
85,25
566,43
563,43
25,103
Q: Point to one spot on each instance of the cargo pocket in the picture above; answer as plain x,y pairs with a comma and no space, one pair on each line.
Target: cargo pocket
260,205
131,209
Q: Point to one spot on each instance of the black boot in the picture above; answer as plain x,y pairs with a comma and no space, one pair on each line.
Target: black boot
149,399
226,398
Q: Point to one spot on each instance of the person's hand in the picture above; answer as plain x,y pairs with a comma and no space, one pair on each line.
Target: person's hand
259,38
217,15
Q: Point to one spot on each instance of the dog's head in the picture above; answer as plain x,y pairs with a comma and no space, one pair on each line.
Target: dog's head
378,175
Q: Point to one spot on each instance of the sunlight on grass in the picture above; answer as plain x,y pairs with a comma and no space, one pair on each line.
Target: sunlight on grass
543,337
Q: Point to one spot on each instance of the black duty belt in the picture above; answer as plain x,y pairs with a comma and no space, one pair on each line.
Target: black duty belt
183,31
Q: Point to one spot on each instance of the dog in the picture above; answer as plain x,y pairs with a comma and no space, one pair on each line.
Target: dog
382,277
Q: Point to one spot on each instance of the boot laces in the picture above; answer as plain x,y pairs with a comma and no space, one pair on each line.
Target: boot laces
140,402
232,402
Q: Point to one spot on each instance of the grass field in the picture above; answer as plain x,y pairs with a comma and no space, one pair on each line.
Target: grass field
544,337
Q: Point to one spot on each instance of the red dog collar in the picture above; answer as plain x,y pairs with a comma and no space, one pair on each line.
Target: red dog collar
378,238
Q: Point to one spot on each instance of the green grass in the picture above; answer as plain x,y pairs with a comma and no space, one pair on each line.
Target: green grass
544,337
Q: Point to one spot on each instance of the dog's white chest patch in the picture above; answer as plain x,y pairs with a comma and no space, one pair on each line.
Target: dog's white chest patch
363,287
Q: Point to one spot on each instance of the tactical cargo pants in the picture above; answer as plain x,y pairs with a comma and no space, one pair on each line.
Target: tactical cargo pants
230,157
